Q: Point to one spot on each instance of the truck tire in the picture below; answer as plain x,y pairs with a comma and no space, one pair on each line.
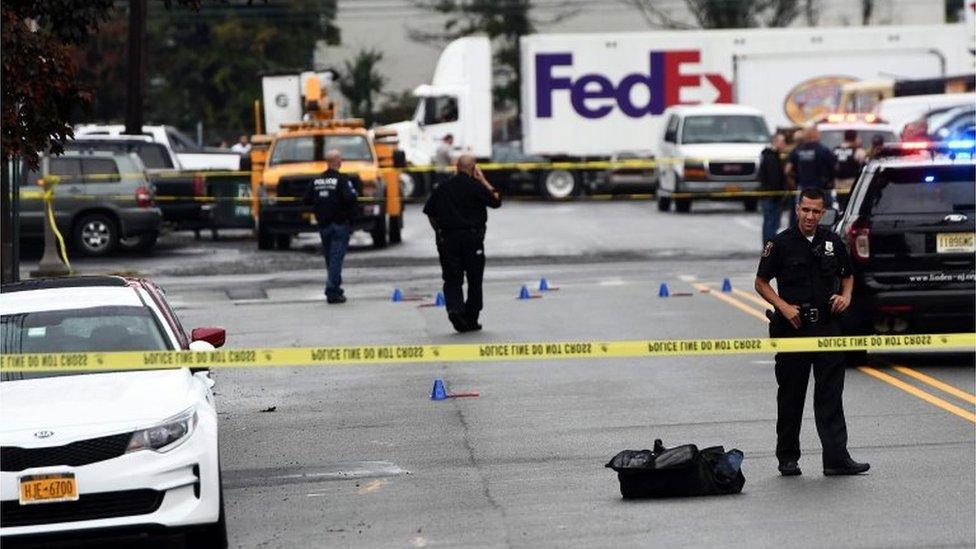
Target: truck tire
682,205
96,235
408,185
663,203
282,241
396,224
139,243
559,184
750,204
378,232
265,238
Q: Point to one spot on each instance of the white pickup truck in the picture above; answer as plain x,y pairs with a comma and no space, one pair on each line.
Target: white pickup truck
191,156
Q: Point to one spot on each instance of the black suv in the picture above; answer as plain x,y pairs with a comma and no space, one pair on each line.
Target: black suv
909,227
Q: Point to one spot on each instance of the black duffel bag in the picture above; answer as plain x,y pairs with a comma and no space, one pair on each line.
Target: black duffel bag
678,472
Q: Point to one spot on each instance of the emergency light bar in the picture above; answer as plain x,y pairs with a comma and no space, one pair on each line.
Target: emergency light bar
839,117
956,148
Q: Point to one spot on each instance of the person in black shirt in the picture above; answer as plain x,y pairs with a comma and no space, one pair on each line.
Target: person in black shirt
772,179
811,164
457,212
333,198
812,269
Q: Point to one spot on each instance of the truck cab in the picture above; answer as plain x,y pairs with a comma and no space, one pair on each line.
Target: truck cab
710,149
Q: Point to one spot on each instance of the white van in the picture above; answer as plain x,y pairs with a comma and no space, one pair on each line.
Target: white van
710,148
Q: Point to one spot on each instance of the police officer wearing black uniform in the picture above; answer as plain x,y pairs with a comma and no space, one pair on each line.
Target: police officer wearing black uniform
333,197
812,269
457,212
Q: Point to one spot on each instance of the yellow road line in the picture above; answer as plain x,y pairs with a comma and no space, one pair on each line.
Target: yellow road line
753,298
931,399
944,387
873,372
731,301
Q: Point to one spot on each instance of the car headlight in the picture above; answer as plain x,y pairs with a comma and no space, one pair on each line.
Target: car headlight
165,436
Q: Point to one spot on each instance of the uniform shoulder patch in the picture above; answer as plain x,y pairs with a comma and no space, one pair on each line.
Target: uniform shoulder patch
768,249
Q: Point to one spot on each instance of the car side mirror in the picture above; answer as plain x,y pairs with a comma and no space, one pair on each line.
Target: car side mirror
829,217
213,336
399,159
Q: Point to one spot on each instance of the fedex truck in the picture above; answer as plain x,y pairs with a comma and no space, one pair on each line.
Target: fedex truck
591,96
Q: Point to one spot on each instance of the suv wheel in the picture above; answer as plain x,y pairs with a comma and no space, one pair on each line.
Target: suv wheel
96,235
682,205
751,204
663,203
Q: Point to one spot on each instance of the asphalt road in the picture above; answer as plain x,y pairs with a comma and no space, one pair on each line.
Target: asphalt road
359,455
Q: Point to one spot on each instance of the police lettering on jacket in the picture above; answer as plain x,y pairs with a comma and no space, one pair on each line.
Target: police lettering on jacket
333,197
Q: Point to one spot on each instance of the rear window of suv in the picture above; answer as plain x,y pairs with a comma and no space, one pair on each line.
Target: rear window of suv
922,190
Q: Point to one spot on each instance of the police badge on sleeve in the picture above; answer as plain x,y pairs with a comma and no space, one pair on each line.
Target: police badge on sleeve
768,249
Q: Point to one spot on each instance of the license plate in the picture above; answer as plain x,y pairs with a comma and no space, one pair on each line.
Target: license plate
952,243
48,488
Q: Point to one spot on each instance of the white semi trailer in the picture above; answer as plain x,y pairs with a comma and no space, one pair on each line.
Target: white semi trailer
590,96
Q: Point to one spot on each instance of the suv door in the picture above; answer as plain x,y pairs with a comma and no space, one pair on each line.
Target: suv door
69,195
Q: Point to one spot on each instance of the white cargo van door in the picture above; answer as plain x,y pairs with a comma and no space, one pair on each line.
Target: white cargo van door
792,88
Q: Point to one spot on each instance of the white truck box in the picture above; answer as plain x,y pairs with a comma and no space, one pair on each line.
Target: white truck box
586,95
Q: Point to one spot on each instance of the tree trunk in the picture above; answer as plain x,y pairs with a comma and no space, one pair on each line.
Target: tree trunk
137,67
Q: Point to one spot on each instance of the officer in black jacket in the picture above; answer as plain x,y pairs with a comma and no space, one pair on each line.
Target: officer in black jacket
813,274
772,179
333,197
457,212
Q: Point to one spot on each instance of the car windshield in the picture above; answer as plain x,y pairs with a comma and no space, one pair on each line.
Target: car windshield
94,329
923,190
833,138
312,148
724,129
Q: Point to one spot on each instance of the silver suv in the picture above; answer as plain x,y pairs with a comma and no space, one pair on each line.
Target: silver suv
103,199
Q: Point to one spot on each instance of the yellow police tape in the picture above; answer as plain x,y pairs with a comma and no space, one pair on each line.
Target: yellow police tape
485,352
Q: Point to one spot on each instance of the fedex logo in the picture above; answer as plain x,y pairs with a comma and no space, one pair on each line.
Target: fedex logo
590,93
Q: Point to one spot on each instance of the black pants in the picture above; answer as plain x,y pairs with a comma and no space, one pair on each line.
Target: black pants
792,376
462,255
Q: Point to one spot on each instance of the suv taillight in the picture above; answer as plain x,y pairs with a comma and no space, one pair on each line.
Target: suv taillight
199,185
143,197
858,239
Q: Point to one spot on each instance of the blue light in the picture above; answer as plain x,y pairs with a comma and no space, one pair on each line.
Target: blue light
961,144
929,178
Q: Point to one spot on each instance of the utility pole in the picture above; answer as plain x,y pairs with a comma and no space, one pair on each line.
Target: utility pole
137,66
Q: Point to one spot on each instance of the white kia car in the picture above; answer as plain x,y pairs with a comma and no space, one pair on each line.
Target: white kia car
100,454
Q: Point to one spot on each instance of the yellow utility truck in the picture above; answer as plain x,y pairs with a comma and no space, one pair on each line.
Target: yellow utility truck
286,162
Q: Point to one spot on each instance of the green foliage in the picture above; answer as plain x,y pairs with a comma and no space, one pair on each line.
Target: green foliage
360,83
39,88
504,21
396,107
206,66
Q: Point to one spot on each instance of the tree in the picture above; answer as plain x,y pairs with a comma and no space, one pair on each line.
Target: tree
504,21
396,107
361,82
727,14
40,88
206,66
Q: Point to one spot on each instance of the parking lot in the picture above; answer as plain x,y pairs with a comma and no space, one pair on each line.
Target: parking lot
359,455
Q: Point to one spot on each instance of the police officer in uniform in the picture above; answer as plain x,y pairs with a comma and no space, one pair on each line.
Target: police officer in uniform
813,274
811,164
333,197
457,212
850,162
